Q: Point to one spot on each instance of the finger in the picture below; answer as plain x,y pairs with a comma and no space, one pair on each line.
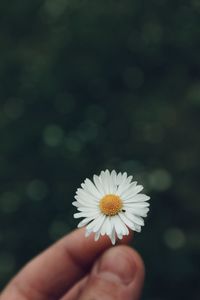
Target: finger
76,290
118,274
54,271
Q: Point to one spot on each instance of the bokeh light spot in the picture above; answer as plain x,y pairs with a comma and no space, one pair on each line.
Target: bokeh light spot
72,144
55,8
160,180
14,108
9,202
37,190
53,135
174,238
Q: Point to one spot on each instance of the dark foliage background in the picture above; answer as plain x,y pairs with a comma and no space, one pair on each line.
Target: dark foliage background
88,85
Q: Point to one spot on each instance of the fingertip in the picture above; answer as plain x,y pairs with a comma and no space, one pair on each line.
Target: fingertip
128,261
117,274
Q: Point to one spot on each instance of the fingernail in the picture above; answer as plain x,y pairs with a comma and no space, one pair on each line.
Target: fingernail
117,265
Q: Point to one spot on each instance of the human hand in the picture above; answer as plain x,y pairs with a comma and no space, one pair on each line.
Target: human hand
78,268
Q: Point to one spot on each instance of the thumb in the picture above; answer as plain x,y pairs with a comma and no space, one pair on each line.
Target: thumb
118,274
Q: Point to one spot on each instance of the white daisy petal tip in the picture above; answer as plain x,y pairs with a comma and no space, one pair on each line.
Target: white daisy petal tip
111,205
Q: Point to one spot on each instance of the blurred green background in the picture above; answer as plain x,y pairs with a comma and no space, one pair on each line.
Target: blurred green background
88,85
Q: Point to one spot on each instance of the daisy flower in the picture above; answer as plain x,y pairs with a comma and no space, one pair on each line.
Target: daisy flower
111,204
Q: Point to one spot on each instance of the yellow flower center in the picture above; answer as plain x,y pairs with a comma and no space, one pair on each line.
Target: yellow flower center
110,205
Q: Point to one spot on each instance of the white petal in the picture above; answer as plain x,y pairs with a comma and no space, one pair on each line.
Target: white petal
129,223
101,179
135,219
107,227
119,178
101,174
128,180
125,185
122,184
112,237
85,197
104,180
100,223
87,209
88,205
132,192
97,235
85,214
136,204
87,233
137,198
114,177
84,222
120,227
123,178
137,211
120,236
103,228
137,228
110,183
128,188
96,223
113,182
125,230
90,187
98,184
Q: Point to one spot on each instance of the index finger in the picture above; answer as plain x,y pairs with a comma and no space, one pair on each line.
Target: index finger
56,270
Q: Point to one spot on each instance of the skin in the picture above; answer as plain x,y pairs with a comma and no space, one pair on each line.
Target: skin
79,268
